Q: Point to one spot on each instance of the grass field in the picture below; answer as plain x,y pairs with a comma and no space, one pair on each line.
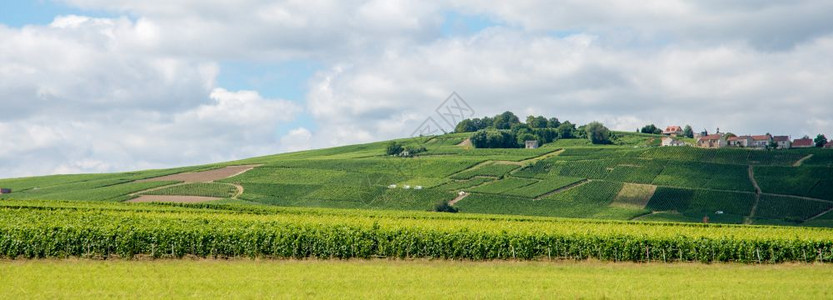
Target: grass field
419,279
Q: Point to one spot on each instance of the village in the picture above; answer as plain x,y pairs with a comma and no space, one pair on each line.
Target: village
725,139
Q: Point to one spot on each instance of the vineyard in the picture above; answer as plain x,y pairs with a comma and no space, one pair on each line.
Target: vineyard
218,190
567,178
33,229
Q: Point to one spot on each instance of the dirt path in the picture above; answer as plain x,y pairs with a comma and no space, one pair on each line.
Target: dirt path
577,184
798,197
801,161
240,190
465,143
819,215
645,215
757,195
458,198
543,156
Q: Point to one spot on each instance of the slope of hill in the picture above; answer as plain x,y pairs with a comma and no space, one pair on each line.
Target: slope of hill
567,178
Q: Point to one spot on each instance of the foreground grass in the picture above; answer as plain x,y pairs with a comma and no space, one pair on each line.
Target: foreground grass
360,279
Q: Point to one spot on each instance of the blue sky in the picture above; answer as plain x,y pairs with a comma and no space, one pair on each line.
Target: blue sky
117,85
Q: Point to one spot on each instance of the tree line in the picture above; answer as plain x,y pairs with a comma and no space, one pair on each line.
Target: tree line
506,130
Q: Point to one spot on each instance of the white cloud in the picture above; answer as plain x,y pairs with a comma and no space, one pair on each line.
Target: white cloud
139,91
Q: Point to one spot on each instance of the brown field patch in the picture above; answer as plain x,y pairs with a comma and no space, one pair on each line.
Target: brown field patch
634,195
172,199
204,176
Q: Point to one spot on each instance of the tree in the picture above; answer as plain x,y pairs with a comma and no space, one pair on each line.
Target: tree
394,148
651,129
536,122
565,130
597,133
820,140
688,132
443,206
505,120
553,123
466,125
494,139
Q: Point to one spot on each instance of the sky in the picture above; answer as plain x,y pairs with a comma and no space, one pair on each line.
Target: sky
116,85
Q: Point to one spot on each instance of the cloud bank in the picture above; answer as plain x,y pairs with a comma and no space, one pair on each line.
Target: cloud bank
140,89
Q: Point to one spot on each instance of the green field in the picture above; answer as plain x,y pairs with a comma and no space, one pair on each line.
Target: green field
420,279
565,178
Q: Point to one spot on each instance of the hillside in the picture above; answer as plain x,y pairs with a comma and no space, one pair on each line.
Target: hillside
567,178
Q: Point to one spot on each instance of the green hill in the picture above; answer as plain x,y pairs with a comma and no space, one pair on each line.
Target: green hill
566,178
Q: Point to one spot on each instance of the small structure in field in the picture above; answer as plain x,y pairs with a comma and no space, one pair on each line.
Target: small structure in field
531,144
804,143
392,186
407,187
419,187
5,191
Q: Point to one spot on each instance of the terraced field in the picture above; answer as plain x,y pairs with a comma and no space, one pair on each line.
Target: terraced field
566,178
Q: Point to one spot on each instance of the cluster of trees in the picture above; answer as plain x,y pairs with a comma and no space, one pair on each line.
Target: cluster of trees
399,149
507,131
653,129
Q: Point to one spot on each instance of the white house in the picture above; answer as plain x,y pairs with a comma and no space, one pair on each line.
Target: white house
671,142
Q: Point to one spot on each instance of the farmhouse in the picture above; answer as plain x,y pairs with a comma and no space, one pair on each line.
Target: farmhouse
804,143
740,141
5,191
760,141
712,141
531,144
671,142
829,145
673,130
783,141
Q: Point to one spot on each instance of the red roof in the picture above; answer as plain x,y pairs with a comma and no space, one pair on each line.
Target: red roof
673,128
760,137
803,142
829,144
781,138
712,137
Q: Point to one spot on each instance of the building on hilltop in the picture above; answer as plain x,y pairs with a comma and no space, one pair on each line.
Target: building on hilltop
673,130
803,143
783,141
761,141
531,144
712,141
829,145
739,141
671,142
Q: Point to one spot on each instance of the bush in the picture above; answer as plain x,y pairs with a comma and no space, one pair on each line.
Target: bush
444,207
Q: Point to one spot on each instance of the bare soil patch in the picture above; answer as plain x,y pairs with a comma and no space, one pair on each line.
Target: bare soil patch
204,176
466,143
172,199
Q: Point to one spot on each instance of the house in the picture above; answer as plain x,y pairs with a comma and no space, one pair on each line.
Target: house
712,141
803,143
761,141
5,191
829,145
739,141
671,142
673,130
783,141
531,144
